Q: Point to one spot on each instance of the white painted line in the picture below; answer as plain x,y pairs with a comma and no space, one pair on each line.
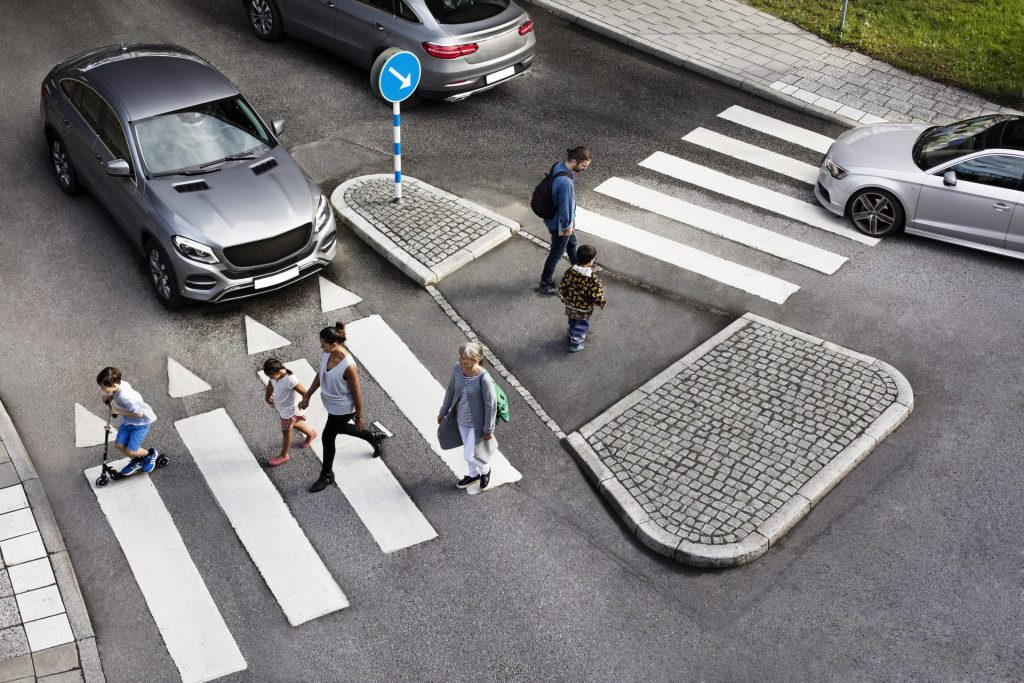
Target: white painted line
709,179
776,128
193,630
89,428
183,382
259,337
23,549
414,390
31,575
291,567
49,632
40,603
333,297
721,225
752,154
17,523
733,274
12,498
379,500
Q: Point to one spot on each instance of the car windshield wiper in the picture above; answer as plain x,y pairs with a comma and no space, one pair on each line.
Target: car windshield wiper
185,171
231,157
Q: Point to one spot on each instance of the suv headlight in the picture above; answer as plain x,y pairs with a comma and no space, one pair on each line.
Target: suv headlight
835,170
323,213
193,250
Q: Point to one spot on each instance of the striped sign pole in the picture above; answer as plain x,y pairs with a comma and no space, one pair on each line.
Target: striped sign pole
396,118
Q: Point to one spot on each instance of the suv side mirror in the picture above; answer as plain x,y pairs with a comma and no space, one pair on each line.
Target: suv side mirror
278,126
118,167
949,178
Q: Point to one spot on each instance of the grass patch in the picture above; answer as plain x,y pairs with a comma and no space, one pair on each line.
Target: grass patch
977,45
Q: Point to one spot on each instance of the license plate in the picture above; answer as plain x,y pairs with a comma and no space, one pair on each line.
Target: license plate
499,75
271,280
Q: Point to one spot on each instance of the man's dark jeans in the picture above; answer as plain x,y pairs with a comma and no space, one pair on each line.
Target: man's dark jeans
559,246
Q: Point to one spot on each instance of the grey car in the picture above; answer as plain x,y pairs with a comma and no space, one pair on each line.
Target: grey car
464,46
190,172
962,183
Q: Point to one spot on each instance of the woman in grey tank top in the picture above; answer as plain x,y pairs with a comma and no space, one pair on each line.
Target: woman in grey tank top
338,381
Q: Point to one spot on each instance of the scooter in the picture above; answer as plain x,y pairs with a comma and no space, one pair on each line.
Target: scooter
108,471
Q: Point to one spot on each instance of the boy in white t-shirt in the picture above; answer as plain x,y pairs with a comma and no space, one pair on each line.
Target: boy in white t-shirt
281,390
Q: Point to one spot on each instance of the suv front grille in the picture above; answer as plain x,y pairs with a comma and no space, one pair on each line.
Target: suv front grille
270,250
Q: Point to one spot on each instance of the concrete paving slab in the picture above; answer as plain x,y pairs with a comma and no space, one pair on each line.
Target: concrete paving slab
56,660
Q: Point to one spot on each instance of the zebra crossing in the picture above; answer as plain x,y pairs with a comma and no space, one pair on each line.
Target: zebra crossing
189,620
736,275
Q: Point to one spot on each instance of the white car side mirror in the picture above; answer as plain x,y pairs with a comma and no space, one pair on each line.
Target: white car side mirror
949,178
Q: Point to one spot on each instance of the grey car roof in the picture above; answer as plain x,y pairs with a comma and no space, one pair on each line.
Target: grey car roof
152,79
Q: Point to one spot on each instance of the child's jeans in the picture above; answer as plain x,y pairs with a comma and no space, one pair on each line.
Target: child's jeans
578,331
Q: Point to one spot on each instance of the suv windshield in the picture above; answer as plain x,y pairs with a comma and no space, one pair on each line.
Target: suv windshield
944,143
465,11
200,135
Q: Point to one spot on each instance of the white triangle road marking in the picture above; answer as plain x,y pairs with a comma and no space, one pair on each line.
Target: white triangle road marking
381,503
752,154
778,129
192,628
183,382
733,274
259,337
333,297
414,390
293,571
721,225
724,184
89,428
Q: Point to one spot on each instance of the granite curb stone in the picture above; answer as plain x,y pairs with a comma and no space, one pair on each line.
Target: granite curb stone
728,448
444,233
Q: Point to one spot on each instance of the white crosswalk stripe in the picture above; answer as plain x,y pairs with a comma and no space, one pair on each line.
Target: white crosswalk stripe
752,154
721,225
378,499
733,274
291,567
384,355
776,128
723,184
193,630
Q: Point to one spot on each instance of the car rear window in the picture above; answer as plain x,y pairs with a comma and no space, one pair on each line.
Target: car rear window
465,11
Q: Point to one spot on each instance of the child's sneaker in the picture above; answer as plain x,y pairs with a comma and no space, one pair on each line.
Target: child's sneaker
309,441
575,348
279,460
134,465
149,460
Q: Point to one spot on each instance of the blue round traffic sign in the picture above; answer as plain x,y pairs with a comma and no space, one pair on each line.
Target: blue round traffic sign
399,75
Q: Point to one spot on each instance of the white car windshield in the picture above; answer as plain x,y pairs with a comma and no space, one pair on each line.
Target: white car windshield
200,136
944,143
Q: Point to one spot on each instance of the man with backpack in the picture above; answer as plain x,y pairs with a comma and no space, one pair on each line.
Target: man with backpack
554,200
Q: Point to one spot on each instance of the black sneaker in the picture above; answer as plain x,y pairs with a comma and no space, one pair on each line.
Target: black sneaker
378,446
550,290
321,483
467,481
485,479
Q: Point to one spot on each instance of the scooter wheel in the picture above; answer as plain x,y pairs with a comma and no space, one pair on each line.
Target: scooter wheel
102,481
162,461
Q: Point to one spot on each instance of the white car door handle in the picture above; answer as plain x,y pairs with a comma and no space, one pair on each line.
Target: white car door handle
1000,206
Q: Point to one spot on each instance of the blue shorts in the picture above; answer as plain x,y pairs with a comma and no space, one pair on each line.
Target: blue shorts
131,436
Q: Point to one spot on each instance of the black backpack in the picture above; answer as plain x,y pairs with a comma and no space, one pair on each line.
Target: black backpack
542,202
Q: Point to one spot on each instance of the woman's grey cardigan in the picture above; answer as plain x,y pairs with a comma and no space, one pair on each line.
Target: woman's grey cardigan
482,404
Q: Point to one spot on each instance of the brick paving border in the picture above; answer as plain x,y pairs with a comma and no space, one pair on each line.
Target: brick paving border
430,235
788,502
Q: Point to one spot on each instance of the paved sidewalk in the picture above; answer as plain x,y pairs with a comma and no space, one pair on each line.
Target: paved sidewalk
733,42
716,458
45,631
430,235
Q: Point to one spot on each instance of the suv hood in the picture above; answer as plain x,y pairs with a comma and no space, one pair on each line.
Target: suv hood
880,145
239,205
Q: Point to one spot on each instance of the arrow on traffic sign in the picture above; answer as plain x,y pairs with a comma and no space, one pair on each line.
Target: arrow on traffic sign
406,80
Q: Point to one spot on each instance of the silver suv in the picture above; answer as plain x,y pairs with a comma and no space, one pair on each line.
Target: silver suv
188,169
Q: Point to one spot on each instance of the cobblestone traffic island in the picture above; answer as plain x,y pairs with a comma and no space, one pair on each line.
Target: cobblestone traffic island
430,235
716,458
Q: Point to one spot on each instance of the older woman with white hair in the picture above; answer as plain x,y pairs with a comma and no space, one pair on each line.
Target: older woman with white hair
468,413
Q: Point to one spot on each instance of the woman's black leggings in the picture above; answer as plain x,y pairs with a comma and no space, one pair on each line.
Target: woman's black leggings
339,424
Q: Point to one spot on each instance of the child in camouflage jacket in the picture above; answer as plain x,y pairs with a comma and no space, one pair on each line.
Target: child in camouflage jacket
581,290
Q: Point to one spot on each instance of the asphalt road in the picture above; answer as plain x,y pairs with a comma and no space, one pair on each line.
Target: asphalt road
908,570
